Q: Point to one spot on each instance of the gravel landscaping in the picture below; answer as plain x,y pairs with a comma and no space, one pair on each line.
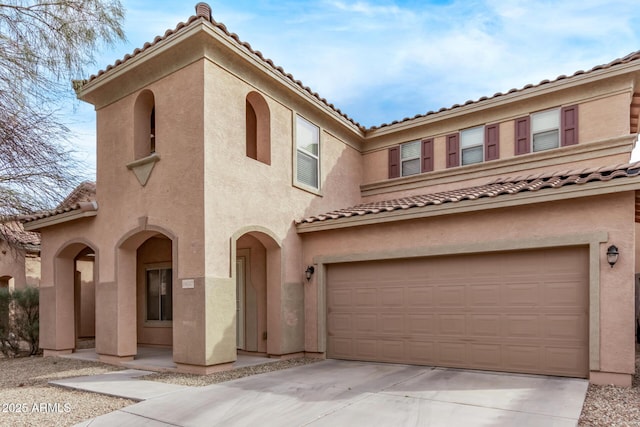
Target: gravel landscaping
27,400
613,406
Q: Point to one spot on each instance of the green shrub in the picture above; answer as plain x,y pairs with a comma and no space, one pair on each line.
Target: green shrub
19,320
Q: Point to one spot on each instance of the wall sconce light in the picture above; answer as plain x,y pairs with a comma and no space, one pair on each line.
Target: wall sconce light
612,255
308,272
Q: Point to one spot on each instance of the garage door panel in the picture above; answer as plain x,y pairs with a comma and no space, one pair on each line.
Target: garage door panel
392,323
522,326
365,298
562,358
450,296
452,353
521,295
452,324
392,297
564,294
365,323
486,356
523,358
420,297
524,311
484,325
565,327
484,295
421,324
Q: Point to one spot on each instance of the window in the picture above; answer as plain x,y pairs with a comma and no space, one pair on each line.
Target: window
159,294
410,158
545,130
307,153
472,145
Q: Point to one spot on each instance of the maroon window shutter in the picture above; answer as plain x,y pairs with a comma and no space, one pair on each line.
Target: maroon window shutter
453,150
569,125
394,162
427,155
523,135
492,142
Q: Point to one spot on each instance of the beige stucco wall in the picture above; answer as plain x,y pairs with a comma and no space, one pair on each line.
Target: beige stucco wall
242,192
516,227
603,114
12,265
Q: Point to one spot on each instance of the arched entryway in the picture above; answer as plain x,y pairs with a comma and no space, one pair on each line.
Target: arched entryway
145,284
75,278
258,276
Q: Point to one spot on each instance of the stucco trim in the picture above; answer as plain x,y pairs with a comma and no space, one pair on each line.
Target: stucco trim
58,219
513,165
503,201
142,168
592,240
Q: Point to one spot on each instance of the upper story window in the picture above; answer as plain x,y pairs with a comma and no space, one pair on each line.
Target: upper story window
307,153
546,130
410,158
258,127
472,145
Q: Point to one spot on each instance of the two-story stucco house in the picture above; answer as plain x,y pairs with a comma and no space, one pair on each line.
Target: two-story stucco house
236,209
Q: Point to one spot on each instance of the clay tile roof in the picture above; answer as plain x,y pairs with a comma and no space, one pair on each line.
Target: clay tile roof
16,235
495,188
203,12
82,198
633,56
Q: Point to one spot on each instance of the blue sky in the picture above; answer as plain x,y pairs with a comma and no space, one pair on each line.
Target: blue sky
384,60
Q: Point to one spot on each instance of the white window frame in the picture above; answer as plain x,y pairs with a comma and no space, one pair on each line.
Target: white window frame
543,130
408,159
155,322
470,132
305,152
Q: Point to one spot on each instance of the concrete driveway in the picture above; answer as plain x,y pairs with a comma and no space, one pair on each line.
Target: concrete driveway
341,393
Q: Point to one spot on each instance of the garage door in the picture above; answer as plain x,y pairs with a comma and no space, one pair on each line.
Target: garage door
524,311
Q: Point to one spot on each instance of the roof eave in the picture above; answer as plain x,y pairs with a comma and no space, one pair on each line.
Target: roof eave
485,203
509,97
49,221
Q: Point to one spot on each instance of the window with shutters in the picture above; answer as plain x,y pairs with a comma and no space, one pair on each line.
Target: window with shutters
307,154
410,158
545,130
472,145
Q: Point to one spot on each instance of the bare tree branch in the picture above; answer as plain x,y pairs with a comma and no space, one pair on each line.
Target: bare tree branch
44,45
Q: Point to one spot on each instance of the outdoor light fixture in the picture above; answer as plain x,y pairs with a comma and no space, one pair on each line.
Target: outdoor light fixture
612,255
308,272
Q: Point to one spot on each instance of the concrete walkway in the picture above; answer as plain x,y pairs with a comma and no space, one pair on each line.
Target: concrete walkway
340,393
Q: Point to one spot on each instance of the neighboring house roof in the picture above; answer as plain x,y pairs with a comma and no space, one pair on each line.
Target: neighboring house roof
204,12
14,233
493,189
85,192
81,199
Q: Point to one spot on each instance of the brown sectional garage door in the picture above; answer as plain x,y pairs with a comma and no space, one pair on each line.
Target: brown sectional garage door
524,311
